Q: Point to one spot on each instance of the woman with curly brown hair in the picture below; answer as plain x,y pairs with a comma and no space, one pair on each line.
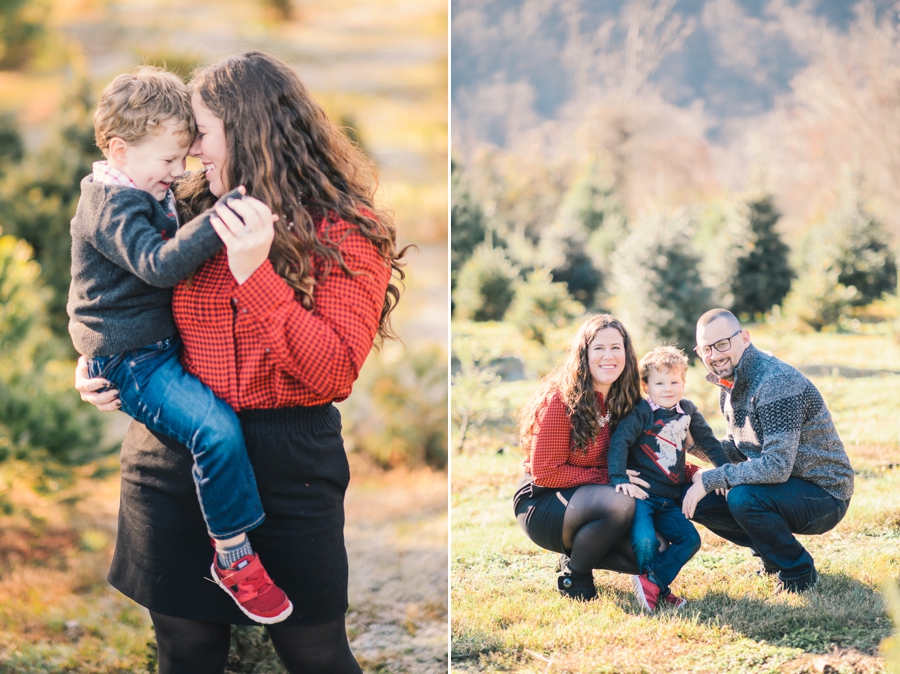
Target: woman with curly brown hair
565,503
278,325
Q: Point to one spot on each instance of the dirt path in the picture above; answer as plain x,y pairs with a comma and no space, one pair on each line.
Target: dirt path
397,543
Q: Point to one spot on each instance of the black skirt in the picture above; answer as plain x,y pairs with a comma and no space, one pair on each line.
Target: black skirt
540,512
163,552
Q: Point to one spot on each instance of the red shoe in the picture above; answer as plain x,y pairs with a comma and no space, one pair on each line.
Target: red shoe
673,600
247,582
646,591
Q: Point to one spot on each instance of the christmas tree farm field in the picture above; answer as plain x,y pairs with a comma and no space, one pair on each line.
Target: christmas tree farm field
506,614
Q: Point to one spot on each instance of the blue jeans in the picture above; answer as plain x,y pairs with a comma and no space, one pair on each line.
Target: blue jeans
155,390
765,517
657,513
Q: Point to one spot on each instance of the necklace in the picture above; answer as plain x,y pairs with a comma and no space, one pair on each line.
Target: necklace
603,419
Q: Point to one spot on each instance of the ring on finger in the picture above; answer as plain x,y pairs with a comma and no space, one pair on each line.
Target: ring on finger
244,232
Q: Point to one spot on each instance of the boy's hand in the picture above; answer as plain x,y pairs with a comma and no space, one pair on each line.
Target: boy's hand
692,498
634,479
631,490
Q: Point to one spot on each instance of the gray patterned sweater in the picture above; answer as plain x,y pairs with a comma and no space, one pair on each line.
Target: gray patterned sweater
778,427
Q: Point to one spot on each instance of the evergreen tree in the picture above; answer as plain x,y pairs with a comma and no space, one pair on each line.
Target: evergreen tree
21,27
862,254
565,252
579,244
660,291
847,263
487,283
747,259
38,199
41,416
12,149
468,225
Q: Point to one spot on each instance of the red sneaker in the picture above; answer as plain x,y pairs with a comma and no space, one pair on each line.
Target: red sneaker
646,591
673,600
247,582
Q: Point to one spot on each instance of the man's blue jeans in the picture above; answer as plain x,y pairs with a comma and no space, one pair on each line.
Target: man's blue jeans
656,513
155,389
765,517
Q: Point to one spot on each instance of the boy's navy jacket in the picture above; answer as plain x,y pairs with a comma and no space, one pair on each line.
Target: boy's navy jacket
127,253
652,442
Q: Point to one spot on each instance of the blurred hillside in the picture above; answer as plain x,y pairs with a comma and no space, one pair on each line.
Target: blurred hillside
688,100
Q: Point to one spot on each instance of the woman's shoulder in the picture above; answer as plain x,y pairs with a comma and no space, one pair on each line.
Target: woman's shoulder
553,404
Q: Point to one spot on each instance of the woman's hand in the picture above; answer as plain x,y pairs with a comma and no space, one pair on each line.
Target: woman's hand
105,401
692,498
632,490
248,242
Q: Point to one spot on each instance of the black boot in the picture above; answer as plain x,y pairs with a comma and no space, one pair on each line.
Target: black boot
576,585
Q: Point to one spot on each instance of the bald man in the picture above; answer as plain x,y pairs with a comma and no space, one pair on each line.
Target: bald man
789,473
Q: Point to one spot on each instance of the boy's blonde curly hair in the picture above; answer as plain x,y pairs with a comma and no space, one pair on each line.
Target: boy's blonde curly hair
663,359
135,105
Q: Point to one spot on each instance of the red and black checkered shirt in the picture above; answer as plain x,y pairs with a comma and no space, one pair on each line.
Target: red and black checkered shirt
257,347
555,462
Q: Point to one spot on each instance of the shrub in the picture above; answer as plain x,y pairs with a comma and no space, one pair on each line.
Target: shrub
486,285
42,418
473,402
660,291
397,414
817,299
540,304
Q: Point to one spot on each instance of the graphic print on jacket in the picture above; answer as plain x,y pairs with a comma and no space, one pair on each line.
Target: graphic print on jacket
664,446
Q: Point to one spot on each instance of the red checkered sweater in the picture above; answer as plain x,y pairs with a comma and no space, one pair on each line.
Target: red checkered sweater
257,347
553,461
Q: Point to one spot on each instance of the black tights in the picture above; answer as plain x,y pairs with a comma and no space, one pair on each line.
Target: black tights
596,530
198,647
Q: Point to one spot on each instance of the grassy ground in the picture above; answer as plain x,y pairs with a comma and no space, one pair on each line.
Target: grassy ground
507,616
58,613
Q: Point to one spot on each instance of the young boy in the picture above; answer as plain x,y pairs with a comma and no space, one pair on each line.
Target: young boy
128,250
650,439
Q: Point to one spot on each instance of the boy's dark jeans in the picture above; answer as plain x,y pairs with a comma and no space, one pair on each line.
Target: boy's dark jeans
656,513
155,389
765,517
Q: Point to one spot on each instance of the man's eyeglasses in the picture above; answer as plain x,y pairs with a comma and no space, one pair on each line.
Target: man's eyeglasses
720,346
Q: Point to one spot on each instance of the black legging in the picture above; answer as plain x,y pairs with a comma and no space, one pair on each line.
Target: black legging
198,647
596,530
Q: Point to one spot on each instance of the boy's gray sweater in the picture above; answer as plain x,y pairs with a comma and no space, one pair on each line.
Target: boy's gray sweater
127,253
778,427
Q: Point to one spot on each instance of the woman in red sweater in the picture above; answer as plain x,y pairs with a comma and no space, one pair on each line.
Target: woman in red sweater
565,503
278,324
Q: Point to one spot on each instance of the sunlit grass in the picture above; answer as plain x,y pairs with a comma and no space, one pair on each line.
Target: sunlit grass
507,615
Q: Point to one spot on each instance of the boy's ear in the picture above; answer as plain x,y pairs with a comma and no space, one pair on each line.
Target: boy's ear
117,150
644,386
